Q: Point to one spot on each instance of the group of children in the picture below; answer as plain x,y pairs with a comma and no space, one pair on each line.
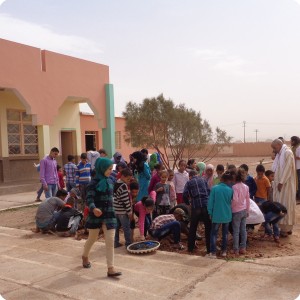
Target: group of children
144,192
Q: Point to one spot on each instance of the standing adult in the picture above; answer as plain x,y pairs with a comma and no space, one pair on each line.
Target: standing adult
284,190
48,173
295,143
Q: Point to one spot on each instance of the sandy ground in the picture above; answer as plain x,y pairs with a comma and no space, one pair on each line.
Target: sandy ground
258,248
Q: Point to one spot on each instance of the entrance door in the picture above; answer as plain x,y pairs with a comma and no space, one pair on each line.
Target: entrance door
68,144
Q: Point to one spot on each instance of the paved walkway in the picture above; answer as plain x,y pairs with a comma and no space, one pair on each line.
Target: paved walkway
16,200
36,266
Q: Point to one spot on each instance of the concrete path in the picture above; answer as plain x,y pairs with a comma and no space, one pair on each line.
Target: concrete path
36,266
16,200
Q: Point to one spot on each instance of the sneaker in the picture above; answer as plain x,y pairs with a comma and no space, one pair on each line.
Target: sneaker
178,246
242,251
211,255
224,254
276,239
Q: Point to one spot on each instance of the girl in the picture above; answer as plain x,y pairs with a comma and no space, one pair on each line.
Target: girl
219,209
201,168
162,190
143,210
144,174
240,206
101,214
172,188
155,177
60,177
181,177
191,165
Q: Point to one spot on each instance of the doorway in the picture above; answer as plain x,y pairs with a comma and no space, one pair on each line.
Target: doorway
90,141
68,144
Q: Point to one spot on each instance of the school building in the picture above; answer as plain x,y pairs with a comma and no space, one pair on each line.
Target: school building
40,92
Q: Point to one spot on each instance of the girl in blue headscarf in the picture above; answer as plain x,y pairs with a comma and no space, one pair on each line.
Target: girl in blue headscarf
101,214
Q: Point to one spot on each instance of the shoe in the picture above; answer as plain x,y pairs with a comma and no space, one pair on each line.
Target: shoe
178,246
243,251
211,255
114,274
276,239
85,262
290,232
118,245
224,254
284,234
38,200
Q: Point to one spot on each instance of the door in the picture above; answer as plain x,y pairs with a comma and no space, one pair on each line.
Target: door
68,144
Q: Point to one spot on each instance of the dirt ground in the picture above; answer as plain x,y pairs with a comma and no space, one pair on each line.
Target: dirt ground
258,248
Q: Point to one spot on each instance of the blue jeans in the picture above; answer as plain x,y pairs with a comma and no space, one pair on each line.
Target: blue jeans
172,227
214,234
40,192
52,189
48,225
239,228
124,222
272,218
259,201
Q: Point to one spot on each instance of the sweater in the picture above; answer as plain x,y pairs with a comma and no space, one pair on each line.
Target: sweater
219,203
122,204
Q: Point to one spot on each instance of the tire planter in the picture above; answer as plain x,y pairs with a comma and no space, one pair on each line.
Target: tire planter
143,247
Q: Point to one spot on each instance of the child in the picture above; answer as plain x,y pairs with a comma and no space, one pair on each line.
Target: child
122,207
143,209
273,212
172,188
83,175
191,165
70,171
181,177
155,177
270,175
249,181
162,190
219,209
220,171
60,174
133,190
263,185
240,210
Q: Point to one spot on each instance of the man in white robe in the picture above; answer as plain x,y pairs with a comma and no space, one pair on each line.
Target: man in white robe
284,190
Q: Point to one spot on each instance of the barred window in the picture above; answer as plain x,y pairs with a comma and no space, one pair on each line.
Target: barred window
22,135
118,139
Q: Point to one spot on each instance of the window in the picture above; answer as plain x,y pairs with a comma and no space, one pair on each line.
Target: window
118,139
90,140
22,135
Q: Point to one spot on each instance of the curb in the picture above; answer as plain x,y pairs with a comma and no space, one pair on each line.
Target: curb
18,207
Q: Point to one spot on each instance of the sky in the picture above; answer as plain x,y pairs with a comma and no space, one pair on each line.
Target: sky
235,61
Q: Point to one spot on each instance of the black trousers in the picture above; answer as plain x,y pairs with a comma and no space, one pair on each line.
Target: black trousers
199,215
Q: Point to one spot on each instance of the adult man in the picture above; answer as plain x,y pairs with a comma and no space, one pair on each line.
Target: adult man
195,193
295,143
284,184
47,212
48,173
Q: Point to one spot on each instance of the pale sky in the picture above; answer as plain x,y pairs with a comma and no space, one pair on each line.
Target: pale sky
233,60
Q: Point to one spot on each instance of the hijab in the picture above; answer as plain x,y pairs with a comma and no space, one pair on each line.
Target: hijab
101,165
153,161
140,160
201,167
210,178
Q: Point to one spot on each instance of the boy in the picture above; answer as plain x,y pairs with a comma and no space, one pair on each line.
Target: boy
70,172
220,171
249,181
122,207
83,175
270,175
162,189
68,220
263,185
134,190
273,213
181,177
219,209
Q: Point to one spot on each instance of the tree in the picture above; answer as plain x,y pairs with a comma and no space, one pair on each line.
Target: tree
174,131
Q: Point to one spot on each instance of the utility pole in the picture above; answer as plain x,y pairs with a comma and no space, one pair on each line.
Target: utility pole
256,131
244,125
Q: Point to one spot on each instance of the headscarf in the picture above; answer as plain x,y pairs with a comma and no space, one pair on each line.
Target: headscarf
140,160
101,165
201,167
153,161
210,179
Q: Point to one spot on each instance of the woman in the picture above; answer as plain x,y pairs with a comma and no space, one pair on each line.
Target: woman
144,174
201,168
101,214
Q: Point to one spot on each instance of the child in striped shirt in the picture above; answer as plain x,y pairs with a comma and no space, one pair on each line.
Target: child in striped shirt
122,207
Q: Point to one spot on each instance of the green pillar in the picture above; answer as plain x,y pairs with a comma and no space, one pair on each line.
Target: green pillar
108,133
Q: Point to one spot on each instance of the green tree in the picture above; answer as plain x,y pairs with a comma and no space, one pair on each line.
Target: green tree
174,131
